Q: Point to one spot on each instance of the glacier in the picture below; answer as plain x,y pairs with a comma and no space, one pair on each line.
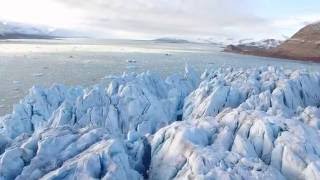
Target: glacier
226,123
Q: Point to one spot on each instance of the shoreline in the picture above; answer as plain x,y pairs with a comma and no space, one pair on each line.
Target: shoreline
270,54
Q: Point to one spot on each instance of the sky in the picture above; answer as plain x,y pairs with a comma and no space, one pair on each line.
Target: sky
148,19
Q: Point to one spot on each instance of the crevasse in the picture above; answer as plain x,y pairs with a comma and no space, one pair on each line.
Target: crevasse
258,123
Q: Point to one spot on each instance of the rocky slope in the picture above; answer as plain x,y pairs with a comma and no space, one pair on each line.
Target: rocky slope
228,123
304,45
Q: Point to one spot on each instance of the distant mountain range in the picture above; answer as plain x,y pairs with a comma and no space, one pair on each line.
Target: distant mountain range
13,30
304,45
171,40
254,45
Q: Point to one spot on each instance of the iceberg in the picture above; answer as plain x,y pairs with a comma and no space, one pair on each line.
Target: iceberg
227,123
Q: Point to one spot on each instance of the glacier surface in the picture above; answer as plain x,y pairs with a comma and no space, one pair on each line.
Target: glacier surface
227,123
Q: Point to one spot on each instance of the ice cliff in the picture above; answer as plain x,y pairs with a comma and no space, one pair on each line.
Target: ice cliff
228,123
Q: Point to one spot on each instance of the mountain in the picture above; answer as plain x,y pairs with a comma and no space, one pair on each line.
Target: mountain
171,40
14,30
304,45
264,44
249,46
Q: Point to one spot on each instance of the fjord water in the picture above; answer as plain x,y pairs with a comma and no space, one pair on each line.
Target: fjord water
24,63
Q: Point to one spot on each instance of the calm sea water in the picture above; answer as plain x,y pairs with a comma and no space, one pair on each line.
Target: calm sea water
24,63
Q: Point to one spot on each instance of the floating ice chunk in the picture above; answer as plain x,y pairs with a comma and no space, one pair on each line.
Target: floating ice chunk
131,67
16,82
131,61
37,74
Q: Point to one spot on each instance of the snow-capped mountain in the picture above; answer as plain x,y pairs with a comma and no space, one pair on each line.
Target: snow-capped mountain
262,44
20,30
247,46
10,28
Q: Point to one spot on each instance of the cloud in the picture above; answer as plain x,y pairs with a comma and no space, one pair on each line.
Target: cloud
39,12
166,17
